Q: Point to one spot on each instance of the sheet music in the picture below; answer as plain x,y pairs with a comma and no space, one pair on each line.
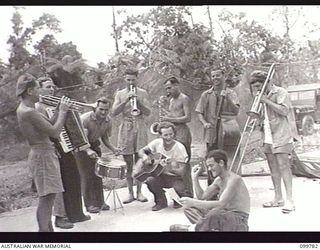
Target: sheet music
173,194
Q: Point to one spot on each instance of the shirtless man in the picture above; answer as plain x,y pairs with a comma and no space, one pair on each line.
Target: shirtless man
179,113
67,205
230,212
133,130
43,161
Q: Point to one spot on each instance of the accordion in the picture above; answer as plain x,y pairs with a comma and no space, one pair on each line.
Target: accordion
72,136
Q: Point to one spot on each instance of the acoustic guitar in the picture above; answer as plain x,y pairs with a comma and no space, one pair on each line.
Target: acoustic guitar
144,169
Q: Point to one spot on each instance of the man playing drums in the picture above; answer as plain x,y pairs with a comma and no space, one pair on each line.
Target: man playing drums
174,165
98,126
133,130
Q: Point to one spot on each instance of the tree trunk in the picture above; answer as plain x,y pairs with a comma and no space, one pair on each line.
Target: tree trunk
191,17
210,20
114,29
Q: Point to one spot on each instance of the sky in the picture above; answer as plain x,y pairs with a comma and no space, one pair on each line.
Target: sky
89,27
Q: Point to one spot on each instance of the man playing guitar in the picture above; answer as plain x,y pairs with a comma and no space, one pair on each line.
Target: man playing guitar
174,165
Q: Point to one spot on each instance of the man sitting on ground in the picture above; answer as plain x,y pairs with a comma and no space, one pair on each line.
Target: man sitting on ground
230,212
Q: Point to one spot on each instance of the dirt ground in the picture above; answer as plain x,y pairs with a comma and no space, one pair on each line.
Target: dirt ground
15,179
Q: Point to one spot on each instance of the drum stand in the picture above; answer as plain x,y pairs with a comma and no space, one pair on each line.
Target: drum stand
116,198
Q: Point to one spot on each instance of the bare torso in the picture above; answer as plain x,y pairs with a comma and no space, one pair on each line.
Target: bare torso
177,106
36,127
240,200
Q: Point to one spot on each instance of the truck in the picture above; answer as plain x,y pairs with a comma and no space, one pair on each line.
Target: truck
305,99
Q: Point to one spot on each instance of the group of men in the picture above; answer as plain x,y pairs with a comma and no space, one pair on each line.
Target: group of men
223,206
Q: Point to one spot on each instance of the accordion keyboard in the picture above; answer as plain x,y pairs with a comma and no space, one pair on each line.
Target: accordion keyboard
65,141
72,136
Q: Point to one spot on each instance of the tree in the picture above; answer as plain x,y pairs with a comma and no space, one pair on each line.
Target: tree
22,37
164,39
53,49
289,19
115,32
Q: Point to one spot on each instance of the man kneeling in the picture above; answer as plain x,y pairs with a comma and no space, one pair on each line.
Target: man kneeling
174,166
230,212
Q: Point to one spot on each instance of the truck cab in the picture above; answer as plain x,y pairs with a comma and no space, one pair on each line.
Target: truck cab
305,99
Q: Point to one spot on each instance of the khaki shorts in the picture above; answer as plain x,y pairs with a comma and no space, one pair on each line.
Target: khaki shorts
45,169
285,149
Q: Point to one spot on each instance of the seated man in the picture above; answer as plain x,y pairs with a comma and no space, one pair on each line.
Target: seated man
174,165
230,212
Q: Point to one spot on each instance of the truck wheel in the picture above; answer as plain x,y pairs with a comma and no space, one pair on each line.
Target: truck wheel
307,125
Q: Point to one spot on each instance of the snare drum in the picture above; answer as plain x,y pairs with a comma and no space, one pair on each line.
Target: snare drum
111,168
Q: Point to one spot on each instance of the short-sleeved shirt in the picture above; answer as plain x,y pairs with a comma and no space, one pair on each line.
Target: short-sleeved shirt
283,127
96,129
207,106
178,151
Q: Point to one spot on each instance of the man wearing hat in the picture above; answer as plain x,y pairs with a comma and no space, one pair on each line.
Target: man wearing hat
43,161
133,130
98,126
279,133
